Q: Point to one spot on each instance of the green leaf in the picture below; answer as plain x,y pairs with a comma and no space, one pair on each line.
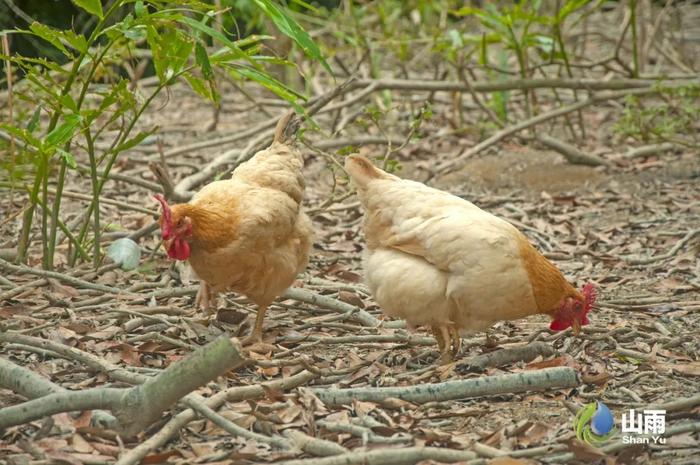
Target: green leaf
62,133
22,134
91,6
34,121
271,83
53,36
134,141
199,85
218,36
308,6
202,59
67,156
293,30
125,252
139,9
57,38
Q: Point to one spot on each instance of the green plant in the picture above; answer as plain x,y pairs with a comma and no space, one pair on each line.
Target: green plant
672,118
78,104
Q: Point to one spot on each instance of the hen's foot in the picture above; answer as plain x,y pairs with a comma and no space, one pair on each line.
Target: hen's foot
253,338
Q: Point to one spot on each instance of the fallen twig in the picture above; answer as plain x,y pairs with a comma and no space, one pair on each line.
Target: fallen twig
21,269
408,456
179,421
549,378
505,356
308,297
136,408
647,150
571,153
535,120
671,253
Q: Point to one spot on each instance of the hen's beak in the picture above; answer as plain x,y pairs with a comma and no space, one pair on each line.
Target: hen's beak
167,243
576,327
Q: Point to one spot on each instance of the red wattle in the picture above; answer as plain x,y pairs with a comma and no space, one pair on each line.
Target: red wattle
558,325
179,250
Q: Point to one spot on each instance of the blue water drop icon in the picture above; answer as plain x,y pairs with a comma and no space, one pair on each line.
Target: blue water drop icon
602,421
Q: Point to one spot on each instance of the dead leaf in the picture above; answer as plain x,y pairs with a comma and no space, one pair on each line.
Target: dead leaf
690,369
80,445
510,461
587,453
565,360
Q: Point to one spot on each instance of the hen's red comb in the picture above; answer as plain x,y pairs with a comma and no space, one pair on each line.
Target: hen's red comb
167,214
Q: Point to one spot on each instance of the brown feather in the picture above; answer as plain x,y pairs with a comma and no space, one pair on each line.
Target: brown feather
549,285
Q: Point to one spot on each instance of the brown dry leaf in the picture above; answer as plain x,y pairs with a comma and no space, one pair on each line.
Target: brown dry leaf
312,403
63,458
203,449
351,298
689,369
635,454
80,445
83,420
230,316
362,408
396,404
62,289
510,461
493,439
129,355
587,453
534,434
161,457
565,360
595,378
342,417
289,414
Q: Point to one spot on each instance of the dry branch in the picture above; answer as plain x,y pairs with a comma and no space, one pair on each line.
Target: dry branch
571,153
671,253
387,456
541,118
136,408
314,446
505,356
21,269
648,150
516,84
24,381
179,421
303,295
549,378
183,188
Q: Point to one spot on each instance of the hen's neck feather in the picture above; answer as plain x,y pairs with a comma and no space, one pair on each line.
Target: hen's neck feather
549,286
211,227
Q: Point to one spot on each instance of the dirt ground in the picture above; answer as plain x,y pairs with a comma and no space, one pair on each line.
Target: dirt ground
640,349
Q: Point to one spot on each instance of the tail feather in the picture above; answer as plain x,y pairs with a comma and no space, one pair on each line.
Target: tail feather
286,127
362,171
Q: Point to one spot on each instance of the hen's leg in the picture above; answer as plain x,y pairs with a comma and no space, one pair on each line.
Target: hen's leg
438,337
445,337
206,298
255,337
456,341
